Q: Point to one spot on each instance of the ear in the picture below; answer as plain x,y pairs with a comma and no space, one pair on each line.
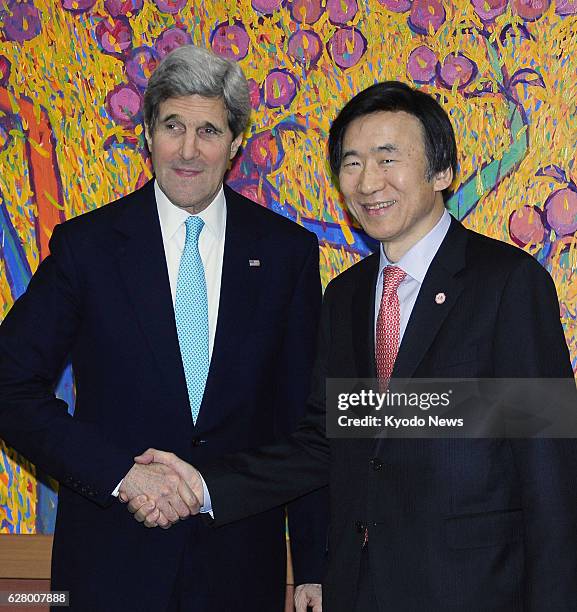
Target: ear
235,145
148,137
443,179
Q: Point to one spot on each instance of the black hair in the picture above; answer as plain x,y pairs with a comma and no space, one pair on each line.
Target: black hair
393,96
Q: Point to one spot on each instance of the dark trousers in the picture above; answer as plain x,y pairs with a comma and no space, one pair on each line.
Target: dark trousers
366,600
185,597
198,589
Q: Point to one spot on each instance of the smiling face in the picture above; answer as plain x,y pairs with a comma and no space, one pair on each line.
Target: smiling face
191,146
384,179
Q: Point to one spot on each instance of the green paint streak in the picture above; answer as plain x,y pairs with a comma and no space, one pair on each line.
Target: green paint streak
464,200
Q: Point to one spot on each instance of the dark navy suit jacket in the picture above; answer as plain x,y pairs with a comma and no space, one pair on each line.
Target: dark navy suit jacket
103,299
483,525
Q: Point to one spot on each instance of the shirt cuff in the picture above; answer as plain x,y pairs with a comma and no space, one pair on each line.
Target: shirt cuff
116,491
207,506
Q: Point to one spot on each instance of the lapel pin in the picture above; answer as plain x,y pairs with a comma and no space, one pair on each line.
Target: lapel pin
254,263
440,298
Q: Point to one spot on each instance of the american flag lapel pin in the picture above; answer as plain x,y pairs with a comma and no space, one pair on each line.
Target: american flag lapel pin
254,263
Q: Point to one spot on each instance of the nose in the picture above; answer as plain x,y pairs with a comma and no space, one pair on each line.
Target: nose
370,179
189,145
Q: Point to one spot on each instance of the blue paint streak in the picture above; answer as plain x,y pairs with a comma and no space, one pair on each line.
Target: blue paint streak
17,268
18,273
47,496
332,234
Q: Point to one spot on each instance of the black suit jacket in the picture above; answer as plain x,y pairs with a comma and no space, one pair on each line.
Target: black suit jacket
103,298
454,524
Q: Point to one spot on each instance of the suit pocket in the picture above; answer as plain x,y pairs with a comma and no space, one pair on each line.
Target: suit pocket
459,355
452,360
482,530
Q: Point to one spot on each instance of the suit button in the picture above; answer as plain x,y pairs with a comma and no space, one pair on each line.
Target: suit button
376,464
360,526
198,442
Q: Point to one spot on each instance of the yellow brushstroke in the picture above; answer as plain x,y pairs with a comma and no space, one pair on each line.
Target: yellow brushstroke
68,78
39,148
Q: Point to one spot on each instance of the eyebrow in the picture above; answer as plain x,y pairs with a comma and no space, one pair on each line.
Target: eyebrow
208,124
171,117
386,148
177,117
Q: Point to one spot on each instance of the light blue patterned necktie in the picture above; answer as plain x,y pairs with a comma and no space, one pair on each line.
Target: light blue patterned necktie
191,313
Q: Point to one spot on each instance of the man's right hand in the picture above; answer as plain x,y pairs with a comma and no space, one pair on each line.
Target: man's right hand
161,488
146,510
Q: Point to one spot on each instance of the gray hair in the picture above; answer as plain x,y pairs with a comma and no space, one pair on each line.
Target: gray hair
191,70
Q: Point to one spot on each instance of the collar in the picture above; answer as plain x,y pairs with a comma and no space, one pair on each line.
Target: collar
416,261
172,217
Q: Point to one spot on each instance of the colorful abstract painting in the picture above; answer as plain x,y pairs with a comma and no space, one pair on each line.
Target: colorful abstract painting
72,75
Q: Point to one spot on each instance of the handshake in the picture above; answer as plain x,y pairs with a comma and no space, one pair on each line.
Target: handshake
161,489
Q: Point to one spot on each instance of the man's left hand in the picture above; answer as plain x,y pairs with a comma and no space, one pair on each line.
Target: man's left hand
309,595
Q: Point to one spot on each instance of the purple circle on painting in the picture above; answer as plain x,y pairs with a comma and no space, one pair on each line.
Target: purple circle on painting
121,8
422,64
561,211
114,35
566,7
170,6
280,88
397,6
171,39
265,151
457,68
526,226
5,67
426,15
78,6
21,21
347,46
306,11
124,104
305,47
254,93
341,11
266,7
489,9
230,41
140,64
530,10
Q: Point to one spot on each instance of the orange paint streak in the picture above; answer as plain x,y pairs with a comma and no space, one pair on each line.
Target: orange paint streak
42,169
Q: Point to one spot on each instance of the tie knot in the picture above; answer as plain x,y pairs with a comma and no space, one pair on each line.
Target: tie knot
194,226
392,277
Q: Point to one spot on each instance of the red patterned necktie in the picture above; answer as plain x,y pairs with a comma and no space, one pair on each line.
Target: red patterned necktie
388,325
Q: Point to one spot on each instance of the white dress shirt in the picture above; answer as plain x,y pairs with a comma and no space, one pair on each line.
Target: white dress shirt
210,244
415,263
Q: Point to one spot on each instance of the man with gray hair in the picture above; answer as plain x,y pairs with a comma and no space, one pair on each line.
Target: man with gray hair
189,314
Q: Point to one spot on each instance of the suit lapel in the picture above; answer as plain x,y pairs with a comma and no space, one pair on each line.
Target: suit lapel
142,265
240,291
363,317
439,292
